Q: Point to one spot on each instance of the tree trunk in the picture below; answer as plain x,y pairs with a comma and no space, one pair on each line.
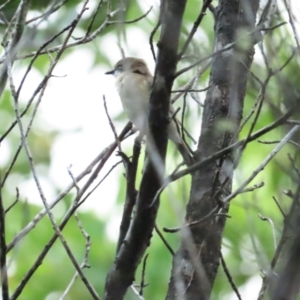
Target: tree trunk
196,262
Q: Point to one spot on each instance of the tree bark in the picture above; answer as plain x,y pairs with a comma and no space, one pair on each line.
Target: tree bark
196,262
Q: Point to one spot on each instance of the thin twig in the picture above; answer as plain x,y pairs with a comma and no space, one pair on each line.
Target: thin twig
111,124
136,292
131,21
73,179
143,275
253,108
49,12
151,38
131,193
98,184
292,25
89,29
252,188
4,4
15,202
205,219
84,263
190,90
260,101
164,240
191,82
279,207
229,277
195,27
282,241
276,142
262,165
80,41
272,227
38,52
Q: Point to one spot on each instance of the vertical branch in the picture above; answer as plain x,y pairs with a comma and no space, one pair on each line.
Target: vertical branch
196,263
139,234
130,193
3,266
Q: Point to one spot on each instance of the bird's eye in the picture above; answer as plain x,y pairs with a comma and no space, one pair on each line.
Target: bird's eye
119,68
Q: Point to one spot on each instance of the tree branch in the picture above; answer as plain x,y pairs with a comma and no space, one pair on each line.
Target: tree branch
138,237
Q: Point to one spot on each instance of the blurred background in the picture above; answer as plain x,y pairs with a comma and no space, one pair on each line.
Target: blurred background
71,128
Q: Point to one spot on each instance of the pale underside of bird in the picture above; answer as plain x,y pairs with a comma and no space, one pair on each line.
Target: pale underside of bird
133,83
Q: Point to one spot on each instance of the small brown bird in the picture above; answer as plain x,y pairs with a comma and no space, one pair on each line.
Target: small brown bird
133,83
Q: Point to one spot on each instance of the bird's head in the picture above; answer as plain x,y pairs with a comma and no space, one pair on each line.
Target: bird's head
130,65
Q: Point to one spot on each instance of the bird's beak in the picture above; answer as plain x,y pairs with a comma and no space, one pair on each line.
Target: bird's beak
112,72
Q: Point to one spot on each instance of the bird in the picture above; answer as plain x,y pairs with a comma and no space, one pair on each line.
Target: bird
133,82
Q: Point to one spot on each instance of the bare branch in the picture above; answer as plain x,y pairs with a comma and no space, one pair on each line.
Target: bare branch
262,165
292,24
3,263
229,277
142,285
201,15
15,202
80,41
84,264
111,124
164,240
272,227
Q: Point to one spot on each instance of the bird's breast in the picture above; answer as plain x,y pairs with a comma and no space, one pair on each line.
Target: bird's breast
134,93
